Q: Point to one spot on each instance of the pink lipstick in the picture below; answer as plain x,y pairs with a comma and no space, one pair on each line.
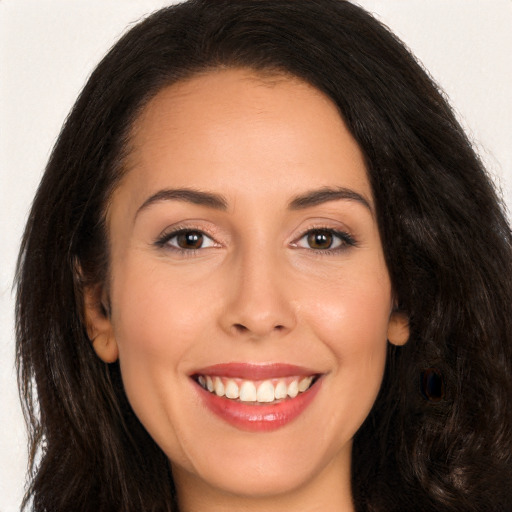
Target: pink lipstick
257,397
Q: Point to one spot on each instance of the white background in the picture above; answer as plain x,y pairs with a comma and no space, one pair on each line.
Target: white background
49,47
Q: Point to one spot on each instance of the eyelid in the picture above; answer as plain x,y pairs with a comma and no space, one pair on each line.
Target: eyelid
206,241
345,238
173,231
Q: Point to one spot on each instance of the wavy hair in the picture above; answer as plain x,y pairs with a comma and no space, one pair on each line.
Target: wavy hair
440,434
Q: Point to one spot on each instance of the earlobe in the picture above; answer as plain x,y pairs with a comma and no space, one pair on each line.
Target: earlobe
99,326
398,328
106,348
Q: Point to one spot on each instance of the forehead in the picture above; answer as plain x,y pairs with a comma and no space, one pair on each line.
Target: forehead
235,129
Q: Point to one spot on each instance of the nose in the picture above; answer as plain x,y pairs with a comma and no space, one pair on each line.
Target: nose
258,303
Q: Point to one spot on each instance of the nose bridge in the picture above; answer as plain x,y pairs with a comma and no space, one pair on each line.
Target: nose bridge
259,303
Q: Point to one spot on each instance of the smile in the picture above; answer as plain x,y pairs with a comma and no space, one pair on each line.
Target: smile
257,398
266,391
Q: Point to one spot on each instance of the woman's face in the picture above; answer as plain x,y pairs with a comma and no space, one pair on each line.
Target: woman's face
245,256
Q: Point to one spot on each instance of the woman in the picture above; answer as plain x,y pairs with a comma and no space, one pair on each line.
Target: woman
265,270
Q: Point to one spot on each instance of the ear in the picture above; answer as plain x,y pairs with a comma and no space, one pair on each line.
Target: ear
398,328
98,324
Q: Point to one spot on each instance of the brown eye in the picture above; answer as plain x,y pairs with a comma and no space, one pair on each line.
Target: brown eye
320,239
185,240
189,240
329,240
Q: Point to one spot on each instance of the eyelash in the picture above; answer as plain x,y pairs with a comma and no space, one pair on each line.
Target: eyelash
166,237
344,239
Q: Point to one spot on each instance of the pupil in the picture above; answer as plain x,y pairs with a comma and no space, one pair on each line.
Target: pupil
190,240
320,240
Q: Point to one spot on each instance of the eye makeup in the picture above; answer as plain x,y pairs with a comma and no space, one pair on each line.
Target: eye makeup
323,239
318,239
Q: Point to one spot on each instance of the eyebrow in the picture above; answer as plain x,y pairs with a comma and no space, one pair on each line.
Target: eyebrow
208,199
218,202
326,194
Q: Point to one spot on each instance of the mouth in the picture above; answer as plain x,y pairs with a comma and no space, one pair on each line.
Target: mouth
266,391
256,397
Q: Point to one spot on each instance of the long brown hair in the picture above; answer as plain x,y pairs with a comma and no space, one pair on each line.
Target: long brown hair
445,237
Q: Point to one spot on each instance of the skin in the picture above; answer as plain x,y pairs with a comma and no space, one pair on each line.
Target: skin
256,291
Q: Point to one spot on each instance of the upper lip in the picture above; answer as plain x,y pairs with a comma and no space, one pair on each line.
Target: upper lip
255,371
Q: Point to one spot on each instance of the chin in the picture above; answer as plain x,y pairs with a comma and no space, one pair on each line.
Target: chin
265,477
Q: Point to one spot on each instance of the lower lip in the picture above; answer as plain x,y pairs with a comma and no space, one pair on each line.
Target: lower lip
259,417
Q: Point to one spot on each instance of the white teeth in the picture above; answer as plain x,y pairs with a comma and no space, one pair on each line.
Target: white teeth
232,390
293,389
280,391
248,392
305,383
265,392
219,386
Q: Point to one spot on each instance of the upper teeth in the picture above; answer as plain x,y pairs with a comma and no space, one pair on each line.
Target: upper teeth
255,391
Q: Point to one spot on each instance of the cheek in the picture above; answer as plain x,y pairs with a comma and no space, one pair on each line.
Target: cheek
157,312
352,311
351,318
156,327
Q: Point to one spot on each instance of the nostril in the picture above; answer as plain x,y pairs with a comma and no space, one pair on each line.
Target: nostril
240,327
